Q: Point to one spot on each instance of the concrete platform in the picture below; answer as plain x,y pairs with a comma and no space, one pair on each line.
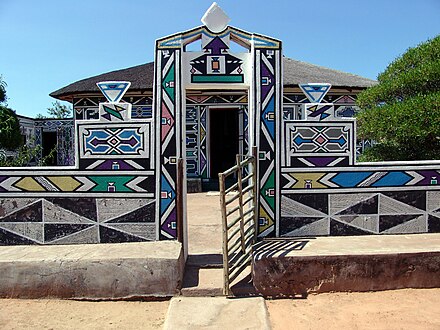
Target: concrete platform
217,313
284,268
124,270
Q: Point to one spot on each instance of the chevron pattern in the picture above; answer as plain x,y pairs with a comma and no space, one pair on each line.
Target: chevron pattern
360,179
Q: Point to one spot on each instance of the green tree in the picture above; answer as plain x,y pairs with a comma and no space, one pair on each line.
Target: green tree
10,135
402,112
2,89
58,111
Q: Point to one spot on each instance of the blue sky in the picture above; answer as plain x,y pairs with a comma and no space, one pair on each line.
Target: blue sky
48,44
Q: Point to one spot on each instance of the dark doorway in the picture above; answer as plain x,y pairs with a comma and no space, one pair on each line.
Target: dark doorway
50,143
224,140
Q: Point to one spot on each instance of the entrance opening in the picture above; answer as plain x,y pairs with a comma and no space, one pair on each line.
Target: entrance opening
224,140
49,142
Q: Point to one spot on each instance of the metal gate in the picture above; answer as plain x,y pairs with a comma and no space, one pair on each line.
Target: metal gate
238,206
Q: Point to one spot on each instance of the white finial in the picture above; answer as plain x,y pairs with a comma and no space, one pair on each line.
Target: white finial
215,19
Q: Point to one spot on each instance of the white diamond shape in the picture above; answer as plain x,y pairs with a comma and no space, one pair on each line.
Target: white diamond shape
215,19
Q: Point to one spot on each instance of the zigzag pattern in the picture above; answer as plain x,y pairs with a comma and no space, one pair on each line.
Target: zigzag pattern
348,178
77,184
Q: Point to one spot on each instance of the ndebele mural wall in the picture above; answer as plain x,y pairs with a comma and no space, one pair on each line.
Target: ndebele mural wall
123,187
323,191
108,197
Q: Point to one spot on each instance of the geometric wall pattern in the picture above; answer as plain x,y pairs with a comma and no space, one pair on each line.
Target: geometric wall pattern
215,66
109,197
388,212
64,129
76,220
323,191
361,178
197,134
318,144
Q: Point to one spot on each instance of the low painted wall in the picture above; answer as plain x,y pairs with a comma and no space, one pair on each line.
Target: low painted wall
108,197
324,192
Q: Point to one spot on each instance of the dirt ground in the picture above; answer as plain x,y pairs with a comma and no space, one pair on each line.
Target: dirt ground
66,314
397,309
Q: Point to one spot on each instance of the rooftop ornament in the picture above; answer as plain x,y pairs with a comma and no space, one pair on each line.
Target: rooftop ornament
215,19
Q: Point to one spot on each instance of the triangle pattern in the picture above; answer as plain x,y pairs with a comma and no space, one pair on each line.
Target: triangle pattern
313,228
143,214
56,231
316,201
290,207
389,205
416,225
341,202
109,235
85,207
367,222
109,208
144,230
433,201
55,213
315,92
338,228
29,230
389,221
8,238
433,224
413,198
113,90
30,213
367,206
86,236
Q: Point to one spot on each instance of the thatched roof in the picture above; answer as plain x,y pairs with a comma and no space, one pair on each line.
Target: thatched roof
141,78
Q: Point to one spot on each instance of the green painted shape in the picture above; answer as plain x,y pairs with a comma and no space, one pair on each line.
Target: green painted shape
113,129
217,79
119,182
167,83
269,186
113,112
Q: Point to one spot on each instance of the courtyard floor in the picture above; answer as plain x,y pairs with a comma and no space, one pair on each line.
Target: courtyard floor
398,309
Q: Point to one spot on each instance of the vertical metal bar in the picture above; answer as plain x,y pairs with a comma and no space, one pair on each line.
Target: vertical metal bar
179,200
240,201
221,179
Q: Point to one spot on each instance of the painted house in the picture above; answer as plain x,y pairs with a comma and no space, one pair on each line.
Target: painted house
216,121
204,106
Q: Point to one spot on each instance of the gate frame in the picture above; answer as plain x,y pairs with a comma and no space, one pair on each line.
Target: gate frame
231,272
262,72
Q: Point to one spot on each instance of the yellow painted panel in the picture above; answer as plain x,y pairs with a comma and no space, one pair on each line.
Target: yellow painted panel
269,221
64,183
303,179
29,184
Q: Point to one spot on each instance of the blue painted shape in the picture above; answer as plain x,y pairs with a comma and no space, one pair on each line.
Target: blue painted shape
113,90
315,92
350,179
393,179
341,141
165,188
299,140
323,116
268,117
